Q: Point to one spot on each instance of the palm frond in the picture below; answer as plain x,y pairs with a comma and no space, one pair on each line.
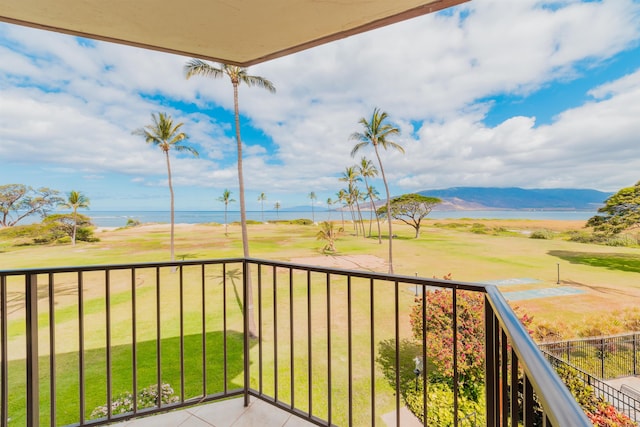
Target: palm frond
197,67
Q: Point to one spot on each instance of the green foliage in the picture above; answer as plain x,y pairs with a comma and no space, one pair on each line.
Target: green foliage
147,398
299,221
544,234
479,228
411,209
58,226
611,261
18,201
329,233
600,413
621,212
440,406
131,222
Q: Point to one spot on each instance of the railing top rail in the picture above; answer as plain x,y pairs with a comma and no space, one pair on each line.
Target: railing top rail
450,284
560,406
100,267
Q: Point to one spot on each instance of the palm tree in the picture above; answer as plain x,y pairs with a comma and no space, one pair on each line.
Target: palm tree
237,75
351,177
261,198
75,201
342,197
373,195
226,199
313,197
329,234
368,170
164,134
375,133
329,203
277,208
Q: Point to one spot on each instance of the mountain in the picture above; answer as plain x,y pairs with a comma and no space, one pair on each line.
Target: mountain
514,198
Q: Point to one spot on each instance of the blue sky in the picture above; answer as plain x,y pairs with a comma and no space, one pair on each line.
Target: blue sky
535,94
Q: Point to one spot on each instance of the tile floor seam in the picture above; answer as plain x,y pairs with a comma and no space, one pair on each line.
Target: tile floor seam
193,415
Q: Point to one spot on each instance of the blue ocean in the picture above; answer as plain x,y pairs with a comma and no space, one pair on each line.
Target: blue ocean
120,218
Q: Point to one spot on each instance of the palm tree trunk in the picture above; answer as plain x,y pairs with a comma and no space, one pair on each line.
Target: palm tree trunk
172,204
243,215
386,188
75,226
360,217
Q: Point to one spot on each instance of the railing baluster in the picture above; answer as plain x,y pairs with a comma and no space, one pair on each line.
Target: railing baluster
515,386
134,342
4,362
504,373
291,342
33,395
246,281
490,374
52,352
107,309
527,402
275,335
81,345
158,338
329,352
454,327
372,352
203,309
349,351
182,367
309,345
396,319
425,409
224,325
260,390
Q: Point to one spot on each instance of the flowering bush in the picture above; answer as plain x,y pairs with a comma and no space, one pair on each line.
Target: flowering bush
147,398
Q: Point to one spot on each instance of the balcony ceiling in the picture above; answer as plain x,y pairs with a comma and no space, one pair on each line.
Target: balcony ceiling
241,32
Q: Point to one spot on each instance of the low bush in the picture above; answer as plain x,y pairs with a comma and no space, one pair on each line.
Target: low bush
542,234
440,405
147,398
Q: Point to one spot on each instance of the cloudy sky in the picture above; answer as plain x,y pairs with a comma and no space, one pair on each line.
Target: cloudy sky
534,94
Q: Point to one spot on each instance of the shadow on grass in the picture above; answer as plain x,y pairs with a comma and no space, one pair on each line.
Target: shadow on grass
95,361
611,261
387,360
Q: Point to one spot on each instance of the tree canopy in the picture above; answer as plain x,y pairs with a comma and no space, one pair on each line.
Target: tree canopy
18,201
411,209
621,212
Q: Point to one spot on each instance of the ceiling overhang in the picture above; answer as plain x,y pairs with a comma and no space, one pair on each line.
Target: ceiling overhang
240,32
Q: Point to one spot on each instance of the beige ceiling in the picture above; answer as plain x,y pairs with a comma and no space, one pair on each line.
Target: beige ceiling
241,32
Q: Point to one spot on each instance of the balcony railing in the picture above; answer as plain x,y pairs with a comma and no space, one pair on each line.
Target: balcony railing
332,346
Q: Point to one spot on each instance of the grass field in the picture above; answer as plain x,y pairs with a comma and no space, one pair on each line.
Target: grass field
471,250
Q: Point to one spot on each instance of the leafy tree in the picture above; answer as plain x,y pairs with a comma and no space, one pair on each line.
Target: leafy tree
411,209
18,201
328,233
262,198
312,197
368,170
276,206
376,132
165,135
621,212
237,75
60,226
75,200
226,199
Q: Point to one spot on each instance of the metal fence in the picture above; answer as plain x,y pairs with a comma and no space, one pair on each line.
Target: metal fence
625,400
601,357
333,346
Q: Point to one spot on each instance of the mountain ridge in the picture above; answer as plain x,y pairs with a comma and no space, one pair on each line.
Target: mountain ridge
516,198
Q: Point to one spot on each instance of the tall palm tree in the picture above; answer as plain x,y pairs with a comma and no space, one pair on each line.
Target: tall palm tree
351,177
373,195
237,75
376,132
75,201
313,197
368,170
262,198
226,199
164,134
342,197
329,203
277,208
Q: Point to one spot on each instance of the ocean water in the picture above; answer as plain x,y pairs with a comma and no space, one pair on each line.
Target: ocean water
120,218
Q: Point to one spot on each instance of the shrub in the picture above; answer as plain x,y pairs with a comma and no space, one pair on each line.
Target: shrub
542,234
440,405
132,222
548,331
147,398
479,228
623,240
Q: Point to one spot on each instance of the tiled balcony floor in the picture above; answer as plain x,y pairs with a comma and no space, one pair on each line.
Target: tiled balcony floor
227,413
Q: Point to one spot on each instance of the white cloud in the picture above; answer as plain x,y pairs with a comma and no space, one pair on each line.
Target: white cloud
74,104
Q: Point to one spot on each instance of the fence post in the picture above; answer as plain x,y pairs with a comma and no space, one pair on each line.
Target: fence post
602,358
33,386
245,314
635,357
